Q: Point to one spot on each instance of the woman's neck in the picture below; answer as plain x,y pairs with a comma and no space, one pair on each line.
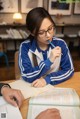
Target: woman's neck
42,46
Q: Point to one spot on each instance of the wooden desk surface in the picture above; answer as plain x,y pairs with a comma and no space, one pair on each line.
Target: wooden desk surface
73,82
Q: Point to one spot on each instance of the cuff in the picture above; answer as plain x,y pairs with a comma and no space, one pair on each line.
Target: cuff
2,85
48,62
48,80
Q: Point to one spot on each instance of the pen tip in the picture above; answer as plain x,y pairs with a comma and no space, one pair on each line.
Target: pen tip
48,41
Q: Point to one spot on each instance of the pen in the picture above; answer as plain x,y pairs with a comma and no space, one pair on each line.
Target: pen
52,45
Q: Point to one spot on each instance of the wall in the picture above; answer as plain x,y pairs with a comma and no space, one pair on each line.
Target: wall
75,19
66,19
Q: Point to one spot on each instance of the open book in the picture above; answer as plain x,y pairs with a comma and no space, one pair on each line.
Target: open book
27,90
64,99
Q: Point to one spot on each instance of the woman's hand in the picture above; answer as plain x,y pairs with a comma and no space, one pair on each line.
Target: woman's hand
56,52
39,83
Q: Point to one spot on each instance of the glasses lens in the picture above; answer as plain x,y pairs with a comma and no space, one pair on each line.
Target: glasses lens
50,30
43,33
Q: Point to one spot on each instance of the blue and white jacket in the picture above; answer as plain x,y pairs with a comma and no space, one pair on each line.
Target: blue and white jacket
54,73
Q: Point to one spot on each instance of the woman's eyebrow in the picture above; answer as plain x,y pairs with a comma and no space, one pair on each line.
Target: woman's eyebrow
44,29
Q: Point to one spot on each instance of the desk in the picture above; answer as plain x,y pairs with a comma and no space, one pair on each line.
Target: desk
73,82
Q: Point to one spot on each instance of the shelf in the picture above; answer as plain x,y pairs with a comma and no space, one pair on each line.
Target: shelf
24,25
68,25
9,39
12,25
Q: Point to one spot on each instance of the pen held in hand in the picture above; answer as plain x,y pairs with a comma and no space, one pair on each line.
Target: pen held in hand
52,45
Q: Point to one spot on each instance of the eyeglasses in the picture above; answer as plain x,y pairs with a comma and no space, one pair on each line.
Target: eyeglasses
43,33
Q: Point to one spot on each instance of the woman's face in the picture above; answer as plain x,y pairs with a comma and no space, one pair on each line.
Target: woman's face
46,31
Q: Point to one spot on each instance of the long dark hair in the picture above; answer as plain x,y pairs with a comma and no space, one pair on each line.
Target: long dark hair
34,19
1,8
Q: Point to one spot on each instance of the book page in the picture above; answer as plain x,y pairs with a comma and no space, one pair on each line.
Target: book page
8,111
57,96
2,101
27,90
65,111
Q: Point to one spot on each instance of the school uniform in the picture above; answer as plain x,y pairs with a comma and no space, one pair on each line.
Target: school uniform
53,72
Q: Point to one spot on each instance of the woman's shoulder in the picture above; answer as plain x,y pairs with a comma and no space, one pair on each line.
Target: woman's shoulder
59,41
26,42
25,45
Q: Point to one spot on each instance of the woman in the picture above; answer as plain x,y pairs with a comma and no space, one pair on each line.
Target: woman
51,54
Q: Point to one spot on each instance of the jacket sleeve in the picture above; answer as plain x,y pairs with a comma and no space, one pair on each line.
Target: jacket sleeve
66,68
1,85
28,72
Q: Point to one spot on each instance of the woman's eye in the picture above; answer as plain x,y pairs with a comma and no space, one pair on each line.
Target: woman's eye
41,33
